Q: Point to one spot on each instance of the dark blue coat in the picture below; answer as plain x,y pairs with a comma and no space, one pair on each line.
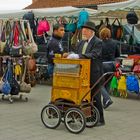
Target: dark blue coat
54,46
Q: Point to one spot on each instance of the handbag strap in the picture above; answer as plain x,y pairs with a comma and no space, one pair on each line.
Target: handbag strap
3,77
1,28
24,72
107,23
116,20
7,72
3,32
8,27
30,33
22,28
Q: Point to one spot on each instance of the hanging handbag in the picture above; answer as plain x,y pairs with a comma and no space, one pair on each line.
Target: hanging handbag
71,26
30,47
132,17
24,87
16,50
8,44
117,30
43,27
12,81
1,84
5,87
2,39
32,64
2,45
15,88
1,80
76,37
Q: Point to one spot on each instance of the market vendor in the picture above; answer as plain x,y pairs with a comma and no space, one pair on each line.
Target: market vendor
54,46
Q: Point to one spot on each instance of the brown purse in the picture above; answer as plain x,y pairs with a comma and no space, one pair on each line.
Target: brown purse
32,64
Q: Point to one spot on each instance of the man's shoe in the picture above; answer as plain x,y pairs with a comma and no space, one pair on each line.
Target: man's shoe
108,103
100,123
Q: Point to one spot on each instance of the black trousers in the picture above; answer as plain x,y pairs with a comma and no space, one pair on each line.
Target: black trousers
97,101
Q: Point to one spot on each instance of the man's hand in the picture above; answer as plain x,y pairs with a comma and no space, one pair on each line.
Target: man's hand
65,55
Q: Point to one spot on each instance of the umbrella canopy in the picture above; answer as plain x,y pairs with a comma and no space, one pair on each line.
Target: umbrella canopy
119,9
130,4
46,12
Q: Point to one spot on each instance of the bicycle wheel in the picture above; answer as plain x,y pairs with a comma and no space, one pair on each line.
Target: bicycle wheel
74,120
94,118
51,116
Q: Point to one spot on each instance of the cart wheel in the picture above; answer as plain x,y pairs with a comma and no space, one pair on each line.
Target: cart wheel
20,97
94,119
11,100
2,97
50,116
75,120
26,99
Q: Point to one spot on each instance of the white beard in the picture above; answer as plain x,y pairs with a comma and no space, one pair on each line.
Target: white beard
84,38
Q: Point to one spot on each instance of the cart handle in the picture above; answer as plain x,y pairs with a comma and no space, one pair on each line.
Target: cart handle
112,73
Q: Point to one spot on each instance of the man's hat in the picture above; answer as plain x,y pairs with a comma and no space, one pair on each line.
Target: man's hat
89,25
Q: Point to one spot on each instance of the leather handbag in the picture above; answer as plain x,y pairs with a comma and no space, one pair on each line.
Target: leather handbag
12,81
30,47
32,64
2,45
24,87
15,88
117,30
16,51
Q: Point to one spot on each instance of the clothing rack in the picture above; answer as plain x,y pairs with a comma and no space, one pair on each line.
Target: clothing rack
20,95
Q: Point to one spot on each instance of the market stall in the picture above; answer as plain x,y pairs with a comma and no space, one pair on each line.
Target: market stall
126,79
16,49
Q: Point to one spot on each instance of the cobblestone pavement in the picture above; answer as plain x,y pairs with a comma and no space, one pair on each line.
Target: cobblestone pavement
21,120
